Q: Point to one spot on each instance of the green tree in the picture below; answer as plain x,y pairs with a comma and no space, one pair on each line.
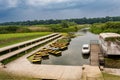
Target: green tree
65,24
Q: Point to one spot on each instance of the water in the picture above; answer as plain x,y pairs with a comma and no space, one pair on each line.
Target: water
73,55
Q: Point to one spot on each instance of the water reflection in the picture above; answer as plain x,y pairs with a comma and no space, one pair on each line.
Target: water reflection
45,58
73,55
56,55
85,56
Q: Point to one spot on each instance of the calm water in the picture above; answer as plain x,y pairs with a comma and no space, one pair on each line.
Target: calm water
73,55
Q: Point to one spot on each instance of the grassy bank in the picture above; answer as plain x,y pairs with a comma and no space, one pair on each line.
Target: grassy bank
110,77
106,27
8,39
112,62
64,26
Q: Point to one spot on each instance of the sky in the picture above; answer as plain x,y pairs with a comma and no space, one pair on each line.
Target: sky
22,10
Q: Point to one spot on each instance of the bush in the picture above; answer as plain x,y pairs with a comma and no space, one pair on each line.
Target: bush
8,29
107,27
23,30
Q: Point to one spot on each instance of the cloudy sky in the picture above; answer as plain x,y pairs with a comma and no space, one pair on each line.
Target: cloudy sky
19,10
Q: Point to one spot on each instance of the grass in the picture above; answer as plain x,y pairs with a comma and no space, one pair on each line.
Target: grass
8,39
110,77
30,58
8,76
19,35
112,63
39,29
105,27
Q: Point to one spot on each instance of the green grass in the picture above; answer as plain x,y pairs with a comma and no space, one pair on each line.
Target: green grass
19,35
110,77
112,63
8,39
39,29
105,27
30,58
8,76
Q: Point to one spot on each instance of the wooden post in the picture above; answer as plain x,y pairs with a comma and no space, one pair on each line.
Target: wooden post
18,47
4,66
9,50
26,51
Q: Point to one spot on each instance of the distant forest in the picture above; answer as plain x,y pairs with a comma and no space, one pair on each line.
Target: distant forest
77,20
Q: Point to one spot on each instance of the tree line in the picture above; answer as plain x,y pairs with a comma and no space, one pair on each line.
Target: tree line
64,26
77,20
105,27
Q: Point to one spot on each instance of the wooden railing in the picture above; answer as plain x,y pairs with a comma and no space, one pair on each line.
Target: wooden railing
26,43
8,55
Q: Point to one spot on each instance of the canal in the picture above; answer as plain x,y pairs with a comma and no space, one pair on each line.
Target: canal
73,55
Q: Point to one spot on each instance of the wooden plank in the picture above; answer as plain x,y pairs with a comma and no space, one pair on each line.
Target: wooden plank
95,50
26,42
3,57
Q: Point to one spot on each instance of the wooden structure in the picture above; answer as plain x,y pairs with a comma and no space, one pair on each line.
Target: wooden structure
94,53
13,53
23,44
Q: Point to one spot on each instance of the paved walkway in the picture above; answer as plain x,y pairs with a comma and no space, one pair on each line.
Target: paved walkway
22,66
91,73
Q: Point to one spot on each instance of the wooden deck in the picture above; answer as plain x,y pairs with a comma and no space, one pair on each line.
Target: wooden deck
5,56
95,50
26,42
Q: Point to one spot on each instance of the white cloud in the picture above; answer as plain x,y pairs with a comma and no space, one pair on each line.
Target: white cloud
43,2
46,2
6,4
12,3
56,9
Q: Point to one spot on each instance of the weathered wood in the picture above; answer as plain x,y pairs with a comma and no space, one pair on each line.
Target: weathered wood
94,52
3,57
26,42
